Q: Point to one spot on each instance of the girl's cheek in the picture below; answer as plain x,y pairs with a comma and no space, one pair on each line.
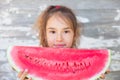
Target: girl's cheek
68,36
68,39
51,38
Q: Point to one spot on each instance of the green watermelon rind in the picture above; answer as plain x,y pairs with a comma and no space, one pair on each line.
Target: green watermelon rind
105,68
10,60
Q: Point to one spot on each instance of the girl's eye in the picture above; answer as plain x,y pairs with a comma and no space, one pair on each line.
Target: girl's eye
66,31
53,32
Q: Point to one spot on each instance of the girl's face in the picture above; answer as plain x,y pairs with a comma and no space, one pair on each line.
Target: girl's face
58,33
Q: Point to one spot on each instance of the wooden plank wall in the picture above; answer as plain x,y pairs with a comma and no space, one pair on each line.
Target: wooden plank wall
100,18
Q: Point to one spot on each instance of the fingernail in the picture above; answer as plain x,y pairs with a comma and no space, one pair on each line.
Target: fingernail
102,77
108,71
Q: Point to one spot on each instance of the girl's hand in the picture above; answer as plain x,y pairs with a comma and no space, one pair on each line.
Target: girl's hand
22,75
103,75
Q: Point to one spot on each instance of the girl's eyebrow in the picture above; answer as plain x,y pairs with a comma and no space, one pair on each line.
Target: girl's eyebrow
51,28
67,28
54,28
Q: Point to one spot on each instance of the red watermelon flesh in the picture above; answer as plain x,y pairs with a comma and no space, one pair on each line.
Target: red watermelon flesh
59,63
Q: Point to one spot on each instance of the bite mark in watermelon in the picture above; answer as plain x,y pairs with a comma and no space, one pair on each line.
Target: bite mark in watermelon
59,63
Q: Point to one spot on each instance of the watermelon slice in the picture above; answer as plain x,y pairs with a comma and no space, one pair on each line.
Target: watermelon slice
59,63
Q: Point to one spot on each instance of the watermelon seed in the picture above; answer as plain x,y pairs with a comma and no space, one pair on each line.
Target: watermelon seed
59,64
26,56
81,66
73,71
76,70
63,63
55,64
36,61
44,63
75,64
67,64
30,58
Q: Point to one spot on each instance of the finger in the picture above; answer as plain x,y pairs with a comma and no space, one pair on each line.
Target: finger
23,75
108,71
27,79
30,79
13,68
20,74
102,76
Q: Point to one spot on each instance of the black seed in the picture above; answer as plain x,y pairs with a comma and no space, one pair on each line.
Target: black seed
45,63
56,64
63,63
75,64
81,64
26,56
36,60
30,58
59,64
67,64
73,72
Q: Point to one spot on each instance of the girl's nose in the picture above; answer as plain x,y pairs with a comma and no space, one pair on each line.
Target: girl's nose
59,37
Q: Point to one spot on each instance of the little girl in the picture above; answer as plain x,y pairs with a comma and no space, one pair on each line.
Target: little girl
57,27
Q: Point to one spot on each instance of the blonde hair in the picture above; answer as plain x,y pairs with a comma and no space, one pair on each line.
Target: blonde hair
66,14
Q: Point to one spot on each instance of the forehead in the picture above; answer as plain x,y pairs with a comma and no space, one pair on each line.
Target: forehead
59,18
